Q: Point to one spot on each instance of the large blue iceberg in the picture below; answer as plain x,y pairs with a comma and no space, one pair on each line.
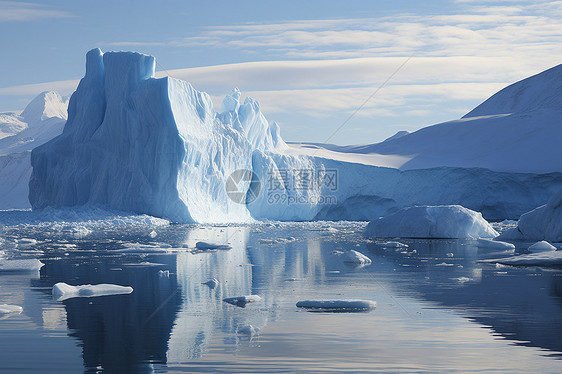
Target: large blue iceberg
150,145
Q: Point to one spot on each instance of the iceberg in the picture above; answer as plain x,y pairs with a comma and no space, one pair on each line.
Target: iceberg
241,301
354,257
542,246
156,146
62,291
451,221
542,223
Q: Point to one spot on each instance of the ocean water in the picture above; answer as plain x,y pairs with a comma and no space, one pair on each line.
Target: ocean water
438,310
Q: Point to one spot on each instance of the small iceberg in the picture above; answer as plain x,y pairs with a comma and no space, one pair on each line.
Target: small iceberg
63,291
10,309
21,265
542,246
496,244
338,305
205,246
354,257
241,301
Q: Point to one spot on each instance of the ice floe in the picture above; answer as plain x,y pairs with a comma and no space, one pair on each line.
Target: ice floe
63,291
338,305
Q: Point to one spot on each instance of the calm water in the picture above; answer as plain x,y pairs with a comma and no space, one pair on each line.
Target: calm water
438,309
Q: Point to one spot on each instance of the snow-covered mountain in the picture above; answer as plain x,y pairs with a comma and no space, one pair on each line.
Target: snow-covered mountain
517,130
42,120
156,146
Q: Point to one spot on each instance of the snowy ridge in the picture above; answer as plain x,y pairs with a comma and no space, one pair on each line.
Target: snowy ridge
42,120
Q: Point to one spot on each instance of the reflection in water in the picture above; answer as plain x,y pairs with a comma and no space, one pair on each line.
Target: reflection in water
174,320
524,305
121,333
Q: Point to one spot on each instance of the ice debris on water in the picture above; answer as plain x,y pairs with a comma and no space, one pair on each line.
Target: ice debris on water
62,291
393,244
355,257
152,234
338,305
211,283
164,273
241,301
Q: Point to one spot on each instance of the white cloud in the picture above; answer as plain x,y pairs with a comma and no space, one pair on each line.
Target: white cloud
19,11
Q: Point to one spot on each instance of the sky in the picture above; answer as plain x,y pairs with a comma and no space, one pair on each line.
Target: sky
343,72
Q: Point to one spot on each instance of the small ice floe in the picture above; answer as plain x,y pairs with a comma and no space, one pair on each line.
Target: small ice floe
26,242
392,244
63,291
164,273
211,283
462,279
248,330
10,309
20,265
549,258
354,257
450,255
542,246
288,239
152,234
496,244
444,264
206,246
144,264
141,248
79,232
241,301
338,305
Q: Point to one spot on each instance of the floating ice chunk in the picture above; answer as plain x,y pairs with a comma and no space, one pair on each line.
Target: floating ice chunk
449,254
212,283
63,291
205,246
463,279
542,246
21,265
242,300
153,234
488,243
355,257
10,309
444,221
338,305
394,245
141,248
248,330
444,264
164,273
550,258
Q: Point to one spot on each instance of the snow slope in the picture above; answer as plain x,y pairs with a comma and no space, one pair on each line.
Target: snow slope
156,146
42,120
516,130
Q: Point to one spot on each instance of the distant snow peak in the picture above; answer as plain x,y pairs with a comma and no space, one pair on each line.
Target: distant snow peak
46,105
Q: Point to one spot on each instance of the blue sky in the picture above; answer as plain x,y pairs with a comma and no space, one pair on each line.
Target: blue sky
309,63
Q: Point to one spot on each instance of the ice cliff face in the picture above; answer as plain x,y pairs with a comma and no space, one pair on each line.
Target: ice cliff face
156,146
136,143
